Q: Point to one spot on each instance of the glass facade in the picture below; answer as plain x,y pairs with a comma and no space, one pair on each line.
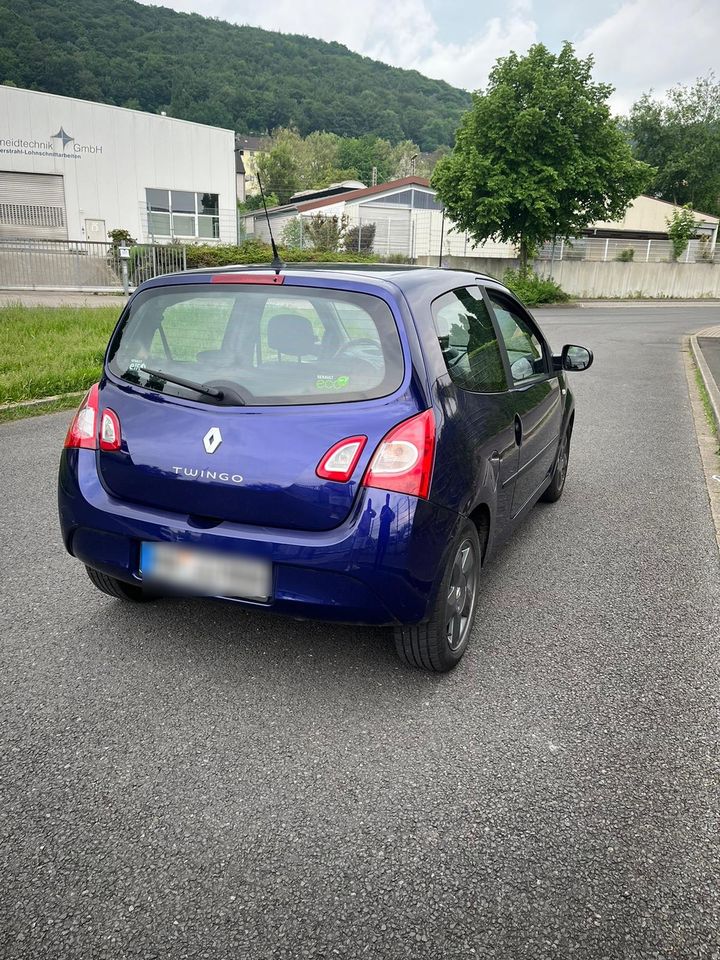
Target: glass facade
416,199
182,213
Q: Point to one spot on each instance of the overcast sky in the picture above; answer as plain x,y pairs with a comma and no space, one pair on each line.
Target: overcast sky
637,44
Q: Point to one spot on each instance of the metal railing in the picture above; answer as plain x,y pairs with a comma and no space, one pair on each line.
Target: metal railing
628,250
82,265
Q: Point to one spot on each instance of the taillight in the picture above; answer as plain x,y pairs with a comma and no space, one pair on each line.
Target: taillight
341,459
82,432
110,438
404,460
87,424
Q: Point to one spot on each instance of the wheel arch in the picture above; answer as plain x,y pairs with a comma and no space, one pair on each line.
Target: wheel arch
481,516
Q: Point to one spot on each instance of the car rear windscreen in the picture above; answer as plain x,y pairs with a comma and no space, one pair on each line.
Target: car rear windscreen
259,345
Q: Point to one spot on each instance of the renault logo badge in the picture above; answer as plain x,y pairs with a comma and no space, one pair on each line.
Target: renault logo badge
212,439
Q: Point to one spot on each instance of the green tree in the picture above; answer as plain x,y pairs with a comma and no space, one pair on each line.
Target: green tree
680,136
681,229
280,167
538,155
295,163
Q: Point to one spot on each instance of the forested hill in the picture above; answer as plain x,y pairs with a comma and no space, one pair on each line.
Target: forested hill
202,69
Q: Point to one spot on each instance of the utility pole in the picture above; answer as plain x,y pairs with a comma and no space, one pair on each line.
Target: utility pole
374,176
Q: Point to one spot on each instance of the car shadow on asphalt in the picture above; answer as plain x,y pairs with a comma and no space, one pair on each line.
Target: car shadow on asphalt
220,640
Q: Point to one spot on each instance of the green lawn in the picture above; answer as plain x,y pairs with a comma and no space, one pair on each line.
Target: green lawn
51,350
46,351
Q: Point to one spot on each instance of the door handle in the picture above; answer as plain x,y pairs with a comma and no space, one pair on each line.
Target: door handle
518,430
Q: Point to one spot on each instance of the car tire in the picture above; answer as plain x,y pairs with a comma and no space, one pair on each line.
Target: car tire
439,644
557,484
117,588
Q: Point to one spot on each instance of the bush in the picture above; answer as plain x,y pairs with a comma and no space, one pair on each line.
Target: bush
681,229
292,235
121,238
396,258
360,238
325,232
625,256
533,289
255,251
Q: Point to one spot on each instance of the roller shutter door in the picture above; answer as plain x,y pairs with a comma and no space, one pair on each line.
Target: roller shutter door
32,206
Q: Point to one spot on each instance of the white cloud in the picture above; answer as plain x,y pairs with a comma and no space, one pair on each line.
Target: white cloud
403,33
653,44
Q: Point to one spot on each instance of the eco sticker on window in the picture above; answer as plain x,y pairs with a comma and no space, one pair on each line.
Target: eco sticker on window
327,382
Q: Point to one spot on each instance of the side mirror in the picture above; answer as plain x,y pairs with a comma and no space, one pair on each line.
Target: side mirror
574,358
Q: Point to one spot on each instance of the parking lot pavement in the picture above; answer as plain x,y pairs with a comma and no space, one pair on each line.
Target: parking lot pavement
188,779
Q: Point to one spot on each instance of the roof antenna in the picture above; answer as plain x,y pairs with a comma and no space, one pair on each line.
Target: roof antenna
277,263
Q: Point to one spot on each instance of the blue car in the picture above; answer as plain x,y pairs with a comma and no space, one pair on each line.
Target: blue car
336,444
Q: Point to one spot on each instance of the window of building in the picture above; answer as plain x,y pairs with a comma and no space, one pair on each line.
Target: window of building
468,341
182,213
416,199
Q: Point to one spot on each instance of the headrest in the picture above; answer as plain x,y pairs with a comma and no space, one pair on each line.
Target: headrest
292,334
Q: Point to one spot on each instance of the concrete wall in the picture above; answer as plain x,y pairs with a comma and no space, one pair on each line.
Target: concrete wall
491,266
587,278
613,279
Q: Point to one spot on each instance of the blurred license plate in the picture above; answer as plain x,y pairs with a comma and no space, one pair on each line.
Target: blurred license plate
205,572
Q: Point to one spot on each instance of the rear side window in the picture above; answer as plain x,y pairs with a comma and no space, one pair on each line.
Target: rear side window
468,341
265,345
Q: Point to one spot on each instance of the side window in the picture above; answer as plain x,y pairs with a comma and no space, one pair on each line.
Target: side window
190,328
524,349
468,341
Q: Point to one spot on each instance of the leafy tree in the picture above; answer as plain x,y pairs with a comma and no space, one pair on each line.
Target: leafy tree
204,69
254,202
681,229
680,135
293,163
538,155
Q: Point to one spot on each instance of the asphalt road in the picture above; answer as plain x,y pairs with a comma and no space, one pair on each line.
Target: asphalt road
188,779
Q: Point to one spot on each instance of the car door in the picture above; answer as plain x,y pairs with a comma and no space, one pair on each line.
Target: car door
536,396
478,409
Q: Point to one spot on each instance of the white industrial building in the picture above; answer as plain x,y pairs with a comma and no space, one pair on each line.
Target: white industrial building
73,170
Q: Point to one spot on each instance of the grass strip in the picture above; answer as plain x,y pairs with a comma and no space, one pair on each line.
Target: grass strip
70,402
46,351
707,405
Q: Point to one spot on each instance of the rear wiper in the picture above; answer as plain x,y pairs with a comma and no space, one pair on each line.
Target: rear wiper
182,382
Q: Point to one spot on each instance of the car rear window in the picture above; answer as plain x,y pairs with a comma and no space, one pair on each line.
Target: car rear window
260,345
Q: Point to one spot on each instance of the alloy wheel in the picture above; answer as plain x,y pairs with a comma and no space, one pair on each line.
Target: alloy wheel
460,602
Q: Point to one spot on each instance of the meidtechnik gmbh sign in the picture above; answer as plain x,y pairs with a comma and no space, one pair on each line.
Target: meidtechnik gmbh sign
60,145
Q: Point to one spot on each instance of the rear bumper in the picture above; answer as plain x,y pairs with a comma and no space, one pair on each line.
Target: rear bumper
380,566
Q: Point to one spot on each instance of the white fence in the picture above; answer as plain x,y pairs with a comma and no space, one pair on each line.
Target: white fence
628,250
81,264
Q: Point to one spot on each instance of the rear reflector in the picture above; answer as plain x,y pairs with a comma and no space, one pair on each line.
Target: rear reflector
341,459
82,432
404,460
110,438
247,278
